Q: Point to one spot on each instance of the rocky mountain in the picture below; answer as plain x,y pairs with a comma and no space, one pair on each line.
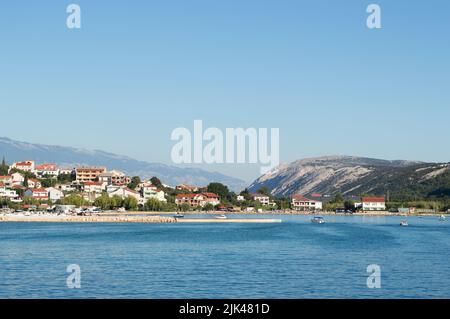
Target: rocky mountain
351,175
70,157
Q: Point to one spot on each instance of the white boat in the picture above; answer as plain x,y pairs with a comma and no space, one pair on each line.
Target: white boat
404,223
178,215
221,217
318,220
442,218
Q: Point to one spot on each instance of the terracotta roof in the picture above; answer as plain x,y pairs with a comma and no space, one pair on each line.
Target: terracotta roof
210,195
373,200
179,196
302,198
24,164
5,177
92,184
39,190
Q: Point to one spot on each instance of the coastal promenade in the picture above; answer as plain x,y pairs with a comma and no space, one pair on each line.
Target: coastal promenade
127,219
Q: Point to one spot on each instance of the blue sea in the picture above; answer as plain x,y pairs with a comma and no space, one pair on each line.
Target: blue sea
292,259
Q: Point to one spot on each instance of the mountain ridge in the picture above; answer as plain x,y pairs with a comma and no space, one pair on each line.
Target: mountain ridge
352,175
70,156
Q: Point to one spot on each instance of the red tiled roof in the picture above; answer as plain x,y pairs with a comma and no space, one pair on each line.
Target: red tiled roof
180,196
5,177
24,164
39,190
302,198
210,195
373,200
92,184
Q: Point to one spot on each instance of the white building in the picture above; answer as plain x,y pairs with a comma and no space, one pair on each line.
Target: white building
152,192
6,180
94,187
54,194
17,179
263,199
27,166
373,204
7,193
47,170
301,203
240,198
34,183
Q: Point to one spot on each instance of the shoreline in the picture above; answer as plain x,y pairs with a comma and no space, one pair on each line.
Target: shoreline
161,217
287,213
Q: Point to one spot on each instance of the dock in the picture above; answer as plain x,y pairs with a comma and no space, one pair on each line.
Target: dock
235,220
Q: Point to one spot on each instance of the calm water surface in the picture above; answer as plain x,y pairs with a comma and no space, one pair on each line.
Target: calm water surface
293,259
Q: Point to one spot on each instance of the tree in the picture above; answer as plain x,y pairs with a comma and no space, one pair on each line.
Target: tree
4,168
154,205
130,203
264,191
184,207
65,178
135,181
73,199
104,202
155,181
208,207
219,189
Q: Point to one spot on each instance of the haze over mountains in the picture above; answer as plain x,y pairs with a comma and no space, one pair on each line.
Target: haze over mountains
351,175
70,157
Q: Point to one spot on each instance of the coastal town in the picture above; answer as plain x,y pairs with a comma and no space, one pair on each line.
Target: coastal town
29,186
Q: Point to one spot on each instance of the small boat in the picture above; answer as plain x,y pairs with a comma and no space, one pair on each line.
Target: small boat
442,218
404,223
221,217
178,215
318,220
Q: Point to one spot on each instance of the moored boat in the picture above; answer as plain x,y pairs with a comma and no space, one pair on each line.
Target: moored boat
178,215
442,218
318,220
404,223
221,217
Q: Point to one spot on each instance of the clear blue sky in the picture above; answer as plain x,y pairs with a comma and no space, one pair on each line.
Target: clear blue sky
138,69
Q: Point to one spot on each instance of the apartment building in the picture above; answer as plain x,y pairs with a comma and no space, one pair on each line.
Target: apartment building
304,204
88,174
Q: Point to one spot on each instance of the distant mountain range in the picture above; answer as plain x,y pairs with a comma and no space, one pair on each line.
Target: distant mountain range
69,157
351,175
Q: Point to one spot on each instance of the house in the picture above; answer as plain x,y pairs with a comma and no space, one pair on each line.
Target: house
240,198
193,200
114,177
27,166
263,199
211,198
373,204
88,174
189,188
123,192
37,193
301,203
6,180
7,193
34,183
17,179
66,171
50,170
93,187
54,194
151,191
